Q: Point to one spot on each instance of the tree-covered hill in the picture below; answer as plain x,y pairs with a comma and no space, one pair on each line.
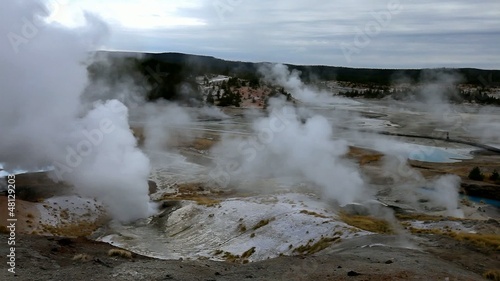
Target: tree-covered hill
173,74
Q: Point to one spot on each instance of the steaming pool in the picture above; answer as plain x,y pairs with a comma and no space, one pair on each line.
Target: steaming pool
436,154
492,202
420,152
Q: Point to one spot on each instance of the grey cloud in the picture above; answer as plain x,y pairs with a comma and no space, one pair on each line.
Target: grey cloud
422,34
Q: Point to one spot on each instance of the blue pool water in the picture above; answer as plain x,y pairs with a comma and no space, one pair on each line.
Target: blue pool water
435,154
474,199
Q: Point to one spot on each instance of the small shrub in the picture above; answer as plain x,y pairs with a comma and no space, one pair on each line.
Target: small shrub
492,275
229,257
242,227
120,253
262,223
475,174
248,253
494,176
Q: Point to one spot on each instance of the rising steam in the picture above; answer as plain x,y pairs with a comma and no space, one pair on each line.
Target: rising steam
285,147
279,74
43,123
301,145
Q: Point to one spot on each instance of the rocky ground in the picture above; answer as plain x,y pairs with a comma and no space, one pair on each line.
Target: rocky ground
54,258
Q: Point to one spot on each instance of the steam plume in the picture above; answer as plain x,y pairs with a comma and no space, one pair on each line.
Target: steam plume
287,148
43,123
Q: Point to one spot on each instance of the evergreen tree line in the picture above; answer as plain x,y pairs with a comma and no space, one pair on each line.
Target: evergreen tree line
172,76
224,95
450,94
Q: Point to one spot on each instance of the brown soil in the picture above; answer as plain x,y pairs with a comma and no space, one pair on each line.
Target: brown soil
50,258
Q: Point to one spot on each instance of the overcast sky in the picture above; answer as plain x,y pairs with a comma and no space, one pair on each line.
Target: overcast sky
354,33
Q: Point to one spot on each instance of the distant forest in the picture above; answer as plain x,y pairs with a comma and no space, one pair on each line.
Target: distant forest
173,74
453,95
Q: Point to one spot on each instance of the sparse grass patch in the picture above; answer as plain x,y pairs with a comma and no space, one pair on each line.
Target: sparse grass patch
120,253
367,223
426,231
311,248
203,143
242,227
229,257
420,217
82,257
199,199
64,214
314,214
364,156
248,253
492,275
489,241
82,228
190,187
369,159
206,201
482,241
262,223
193,191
